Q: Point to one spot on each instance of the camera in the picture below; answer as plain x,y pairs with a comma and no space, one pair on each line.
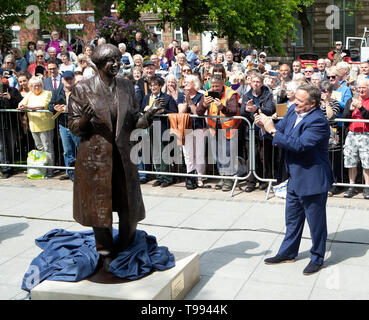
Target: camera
3,88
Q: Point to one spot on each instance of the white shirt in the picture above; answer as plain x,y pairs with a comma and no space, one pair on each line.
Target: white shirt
301,116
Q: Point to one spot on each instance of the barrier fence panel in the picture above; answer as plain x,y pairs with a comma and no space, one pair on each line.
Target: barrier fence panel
343,154
159,150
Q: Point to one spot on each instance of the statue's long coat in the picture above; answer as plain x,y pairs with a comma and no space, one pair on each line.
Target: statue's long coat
97,191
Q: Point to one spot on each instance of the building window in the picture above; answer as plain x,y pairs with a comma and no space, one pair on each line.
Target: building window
16,39
178,35
73,5
347,20
74,29
157,31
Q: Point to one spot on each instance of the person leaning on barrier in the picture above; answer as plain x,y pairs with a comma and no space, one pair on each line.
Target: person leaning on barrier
258,97
357,140
194,146
41,124
103,112
225,150
303,134
9,99
331,109
169,105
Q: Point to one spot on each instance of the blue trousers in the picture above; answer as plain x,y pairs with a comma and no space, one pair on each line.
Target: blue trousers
70,145
314,209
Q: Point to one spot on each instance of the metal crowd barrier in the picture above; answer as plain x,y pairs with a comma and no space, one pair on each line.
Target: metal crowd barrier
339,171
20,156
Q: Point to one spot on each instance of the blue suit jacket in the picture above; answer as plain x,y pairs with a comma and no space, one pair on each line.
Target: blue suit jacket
305,152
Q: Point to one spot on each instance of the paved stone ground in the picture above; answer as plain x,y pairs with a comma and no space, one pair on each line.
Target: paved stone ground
233,235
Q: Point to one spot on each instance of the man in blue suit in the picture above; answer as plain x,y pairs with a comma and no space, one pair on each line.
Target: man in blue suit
303,134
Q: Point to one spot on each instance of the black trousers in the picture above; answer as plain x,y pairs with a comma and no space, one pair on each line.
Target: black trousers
263,160
105,245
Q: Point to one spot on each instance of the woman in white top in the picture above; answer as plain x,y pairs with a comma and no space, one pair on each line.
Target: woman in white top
66,65
63,45
84,65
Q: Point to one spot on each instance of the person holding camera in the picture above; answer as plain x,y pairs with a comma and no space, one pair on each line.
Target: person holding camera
221,100
9,98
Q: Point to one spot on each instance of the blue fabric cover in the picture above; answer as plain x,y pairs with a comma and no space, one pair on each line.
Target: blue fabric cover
72,256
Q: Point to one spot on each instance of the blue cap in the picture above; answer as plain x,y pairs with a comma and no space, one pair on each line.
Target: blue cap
68,74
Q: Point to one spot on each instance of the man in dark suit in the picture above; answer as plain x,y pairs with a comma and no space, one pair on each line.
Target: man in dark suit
54,81
58,105
303,134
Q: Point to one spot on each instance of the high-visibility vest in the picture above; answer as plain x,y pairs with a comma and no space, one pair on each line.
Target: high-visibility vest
228,124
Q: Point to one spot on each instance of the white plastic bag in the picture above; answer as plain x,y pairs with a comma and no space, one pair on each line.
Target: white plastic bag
39,159
280,190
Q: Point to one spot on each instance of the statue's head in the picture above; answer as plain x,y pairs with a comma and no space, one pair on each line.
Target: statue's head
107,59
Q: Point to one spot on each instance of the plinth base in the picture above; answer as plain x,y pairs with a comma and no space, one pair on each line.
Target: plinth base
172,284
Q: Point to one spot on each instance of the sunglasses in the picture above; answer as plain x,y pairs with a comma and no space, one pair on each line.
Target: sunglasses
39,56
186,70
309,71
262,57
331,77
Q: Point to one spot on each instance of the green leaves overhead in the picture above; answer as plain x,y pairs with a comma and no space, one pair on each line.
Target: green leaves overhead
257,22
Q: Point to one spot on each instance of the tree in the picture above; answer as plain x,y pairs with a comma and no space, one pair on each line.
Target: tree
259,23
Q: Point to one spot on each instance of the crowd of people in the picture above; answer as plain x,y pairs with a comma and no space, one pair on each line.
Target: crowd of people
231,83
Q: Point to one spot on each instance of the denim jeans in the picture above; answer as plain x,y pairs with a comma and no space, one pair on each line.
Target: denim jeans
70,144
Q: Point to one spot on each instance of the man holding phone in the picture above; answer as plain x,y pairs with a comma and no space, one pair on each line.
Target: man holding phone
222,101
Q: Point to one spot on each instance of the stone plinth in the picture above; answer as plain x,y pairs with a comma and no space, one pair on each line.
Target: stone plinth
172,284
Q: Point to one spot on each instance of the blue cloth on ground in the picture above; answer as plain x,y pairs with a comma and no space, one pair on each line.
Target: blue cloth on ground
72,256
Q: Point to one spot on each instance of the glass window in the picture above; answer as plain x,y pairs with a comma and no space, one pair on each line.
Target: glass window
73,5
16,39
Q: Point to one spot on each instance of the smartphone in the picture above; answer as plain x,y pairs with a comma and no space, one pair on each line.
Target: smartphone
214,94
273,73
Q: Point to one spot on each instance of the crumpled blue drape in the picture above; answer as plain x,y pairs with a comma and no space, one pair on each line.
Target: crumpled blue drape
72,256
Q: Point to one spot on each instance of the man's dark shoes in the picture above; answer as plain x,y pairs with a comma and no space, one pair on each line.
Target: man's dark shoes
164,184
366,193
64,177
219,184
279,259
250,188
263,185
157,183
350,192
311,268
5,175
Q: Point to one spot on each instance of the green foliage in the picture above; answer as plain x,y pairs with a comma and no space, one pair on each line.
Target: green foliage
107,25
6,37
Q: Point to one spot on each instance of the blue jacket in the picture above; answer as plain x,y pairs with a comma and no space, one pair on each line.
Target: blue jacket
305,152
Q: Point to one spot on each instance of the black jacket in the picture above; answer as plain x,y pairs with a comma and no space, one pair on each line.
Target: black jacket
8,119
58,97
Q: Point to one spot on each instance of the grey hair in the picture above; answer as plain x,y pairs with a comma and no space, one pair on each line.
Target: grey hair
257,75
292,86
195,80
313,93
122,45
326,85
51,49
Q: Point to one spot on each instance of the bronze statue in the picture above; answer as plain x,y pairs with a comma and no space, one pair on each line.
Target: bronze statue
103,111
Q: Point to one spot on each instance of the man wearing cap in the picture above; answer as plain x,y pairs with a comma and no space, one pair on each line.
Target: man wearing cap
262,61
58,105
148,68
336,55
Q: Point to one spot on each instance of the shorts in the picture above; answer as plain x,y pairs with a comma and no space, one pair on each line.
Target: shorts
356,148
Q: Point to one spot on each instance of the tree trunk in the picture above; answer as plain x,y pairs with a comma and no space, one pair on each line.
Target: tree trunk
306,29
102,9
